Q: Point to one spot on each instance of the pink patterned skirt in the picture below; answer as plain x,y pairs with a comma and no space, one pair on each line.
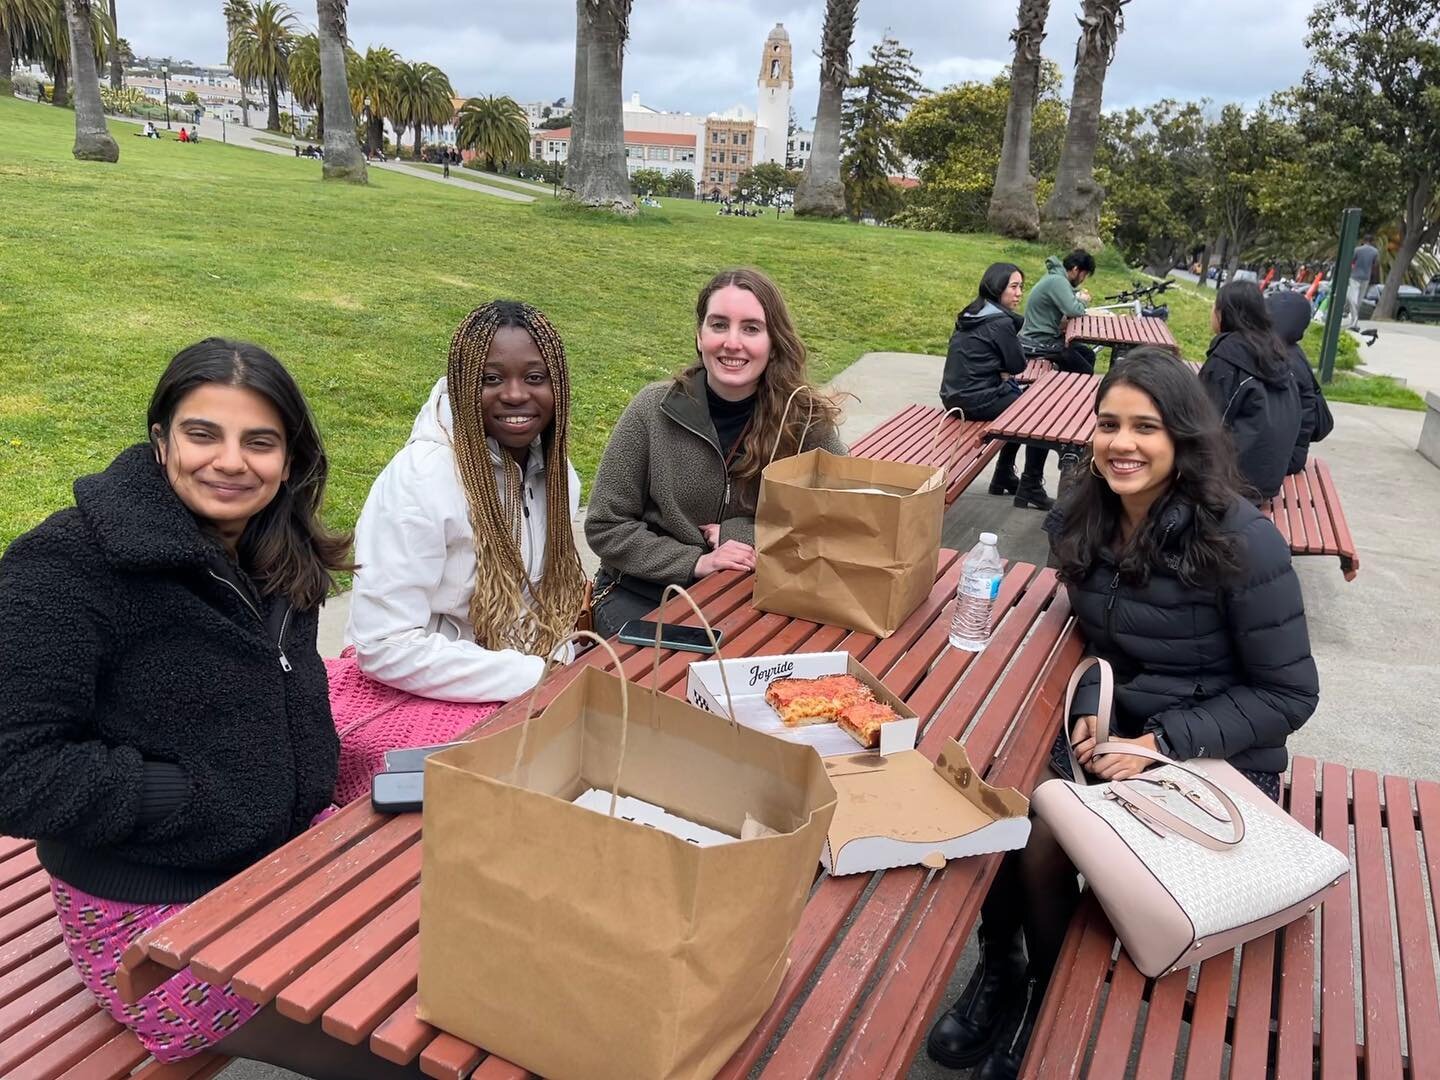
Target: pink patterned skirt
179,1018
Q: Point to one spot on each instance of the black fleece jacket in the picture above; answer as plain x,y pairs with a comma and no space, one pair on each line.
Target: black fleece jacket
1290,315
1225,672
984,354
162,725
1262,411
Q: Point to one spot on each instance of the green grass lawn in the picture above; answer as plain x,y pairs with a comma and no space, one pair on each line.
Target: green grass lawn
107,271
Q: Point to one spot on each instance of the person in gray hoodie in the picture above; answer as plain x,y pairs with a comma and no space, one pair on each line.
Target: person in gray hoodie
1247,375
1290,314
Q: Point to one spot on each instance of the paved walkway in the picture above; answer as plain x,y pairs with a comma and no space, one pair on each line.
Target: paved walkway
1408,351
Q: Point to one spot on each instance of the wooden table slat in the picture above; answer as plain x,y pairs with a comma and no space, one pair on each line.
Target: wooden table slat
14,845
1209,1013
42,997
1417,965
1048,1042
1337,1006
402,1035
23,948
21,864
1254,1003
360,1010
74,1046
1295,1010
1116,1034
33,972
115,1058
16,923
1162,1027
1115,329
202,1067
19,893
43,1027
449,1058
1382,1011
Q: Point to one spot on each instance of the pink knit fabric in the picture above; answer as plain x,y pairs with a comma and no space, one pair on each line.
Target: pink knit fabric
372,718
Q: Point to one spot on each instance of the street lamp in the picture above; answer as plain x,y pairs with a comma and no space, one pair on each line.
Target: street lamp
165,78
555,175
367,125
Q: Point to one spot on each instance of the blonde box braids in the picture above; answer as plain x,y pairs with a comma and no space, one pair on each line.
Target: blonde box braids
499,612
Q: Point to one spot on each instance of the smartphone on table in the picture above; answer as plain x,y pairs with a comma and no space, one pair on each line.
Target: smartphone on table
397,792
672,636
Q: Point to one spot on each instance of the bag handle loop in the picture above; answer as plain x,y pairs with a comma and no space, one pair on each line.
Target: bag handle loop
681,591
785,415
939,425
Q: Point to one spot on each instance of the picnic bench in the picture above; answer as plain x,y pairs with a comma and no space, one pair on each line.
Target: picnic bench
1259,1007
51,1028
326,927
1124,331
910,436
1058,412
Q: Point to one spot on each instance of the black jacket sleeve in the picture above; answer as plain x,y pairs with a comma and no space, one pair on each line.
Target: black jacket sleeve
58,779
1309,408
1265,617
952,378
1007,340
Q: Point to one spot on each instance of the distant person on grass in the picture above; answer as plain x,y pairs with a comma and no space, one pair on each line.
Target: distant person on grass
184,137
1362,268
1054,298
980,369
674,499
468,575
163,714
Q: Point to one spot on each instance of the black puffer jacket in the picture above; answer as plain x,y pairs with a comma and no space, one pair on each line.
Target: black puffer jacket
1261,411
984,354
151,738
1290,315
1226,673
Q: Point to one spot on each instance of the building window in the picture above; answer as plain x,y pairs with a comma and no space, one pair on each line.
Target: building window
684,155
634,152
658,153
775,67
742,138
714,157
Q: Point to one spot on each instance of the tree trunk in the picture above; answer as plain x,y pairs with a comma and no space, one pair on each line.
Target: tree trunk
117,73
1224,256
821,192
342,157
272,90
1205,264
418,146
1234,263
1071,217
575,170
93,141
1013,211
7,68
605,182
60,96
1416,233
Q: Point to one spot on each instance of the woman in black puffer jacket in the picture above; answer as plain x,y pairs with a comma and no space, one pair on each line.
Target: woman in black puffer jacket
1188,592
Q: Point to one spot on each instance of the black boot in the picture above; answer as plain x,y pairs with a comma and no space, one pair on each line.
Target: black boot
1004,483
1032,493
1019,1024
968,1030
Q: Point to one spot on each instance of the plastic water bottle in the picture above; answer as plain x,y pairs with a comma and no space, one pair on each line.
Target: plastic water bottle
975,598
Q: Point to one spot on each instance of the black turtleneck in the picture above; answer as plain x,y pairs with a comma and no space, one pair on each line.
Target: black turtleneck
729,417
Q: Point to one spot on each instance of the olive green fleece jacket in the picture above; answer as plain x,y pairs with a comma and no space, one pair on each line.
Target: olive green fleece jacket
662,477
1050,303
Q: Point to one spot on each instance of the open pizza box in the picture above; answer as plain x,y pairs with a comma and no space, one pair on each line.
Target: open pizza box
896,807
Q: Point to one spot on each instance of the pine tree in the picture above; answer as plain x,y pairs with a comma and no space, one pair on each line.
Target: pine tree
879,95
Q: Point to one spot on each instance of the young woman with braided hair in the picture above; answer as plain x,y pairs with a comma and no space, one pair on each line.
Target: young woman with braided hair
484,481
675,495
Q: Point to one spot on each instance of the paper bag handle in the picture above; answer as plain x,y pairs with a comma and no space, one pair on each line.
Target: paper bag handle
680,590
785,415
624,707
939,424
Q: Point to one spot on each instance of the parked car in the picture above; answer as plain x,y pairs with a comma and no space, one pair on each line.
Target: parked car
1412,303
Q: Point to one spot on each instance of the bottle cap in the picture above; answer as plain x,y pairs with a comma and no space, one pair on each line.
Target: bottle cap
989,538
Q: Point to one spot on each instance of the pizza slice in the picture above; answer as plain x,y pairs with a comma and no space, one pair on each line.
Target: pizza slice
815,701
862,722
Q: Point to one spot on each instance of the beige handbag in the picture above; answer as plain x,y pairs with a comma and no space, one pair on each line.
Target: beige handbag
1189,859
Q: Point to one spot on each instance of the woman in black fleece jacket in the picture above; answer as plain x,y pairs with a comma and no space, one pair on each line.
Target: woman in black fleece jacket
164,718
1188,592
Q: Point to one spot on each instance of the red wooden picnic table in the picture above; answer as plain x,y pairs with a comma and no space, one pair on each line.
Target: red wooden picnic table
326,927
1123,330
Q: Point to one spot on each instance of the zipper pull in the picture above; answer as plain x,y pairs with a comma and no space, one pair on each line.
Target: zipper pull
285,662
1114,584
526,507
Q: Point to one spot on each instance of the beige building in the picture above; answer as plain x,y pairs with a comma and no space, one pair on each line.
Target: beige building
729,151
667,151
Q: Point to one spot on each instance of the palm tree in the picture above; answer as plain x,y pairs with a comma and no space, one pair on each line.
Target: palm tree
93,141
342,157
495,128
423,97
117,73
305,73
372,77
1072,213
260,52
595,173
238,13
21,23
48,43
821,192
1012,205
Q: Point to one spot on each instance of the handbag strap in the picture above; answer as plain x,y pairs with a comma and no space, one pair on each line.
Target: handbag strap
1130,795
1102,712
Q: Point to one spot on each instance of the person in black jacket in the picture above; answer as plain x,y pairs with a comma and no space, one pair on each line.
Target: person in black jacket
164,716
980,369
1187,590
1247,375
1290,315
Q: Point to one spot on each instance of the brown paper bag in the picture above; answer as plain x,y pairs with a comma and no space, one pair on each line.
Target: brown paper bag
576,944
830,553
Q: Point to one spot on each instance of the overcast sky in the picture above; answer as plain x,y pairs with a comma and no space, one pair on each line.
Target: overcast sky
704,55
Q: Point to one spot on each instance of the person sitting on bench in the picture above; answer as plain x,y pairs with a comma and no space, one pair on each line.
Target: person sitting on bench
1290,315
1054,298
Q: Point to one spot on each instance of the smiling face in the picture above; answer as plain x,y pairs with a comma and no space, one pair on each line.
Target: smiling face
224,455
516,397
734,342
1132,449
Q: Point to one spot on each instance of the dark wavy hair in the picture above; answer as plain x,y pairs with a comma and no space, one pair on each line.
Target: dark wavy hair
1243,313
1205,477
992,286
284,547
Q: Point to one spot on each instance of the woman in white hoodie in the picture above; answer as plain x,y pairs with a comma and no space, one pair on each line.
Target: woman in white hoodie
483,480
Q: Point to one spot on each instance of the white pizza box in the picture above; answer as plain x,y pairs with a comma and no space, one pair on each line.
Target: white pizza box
641,812
895,807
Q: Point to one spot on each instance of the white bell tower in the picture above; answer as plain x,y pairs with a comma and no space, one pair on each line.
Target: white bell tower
777,79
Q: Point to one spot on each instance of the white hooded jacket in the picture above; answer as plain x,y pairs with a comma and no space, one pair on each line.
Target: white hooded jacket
410,609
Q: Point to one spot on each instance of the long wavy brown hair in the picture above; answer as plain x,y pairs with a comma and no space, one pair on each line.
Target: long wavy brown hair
499,612
785,374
